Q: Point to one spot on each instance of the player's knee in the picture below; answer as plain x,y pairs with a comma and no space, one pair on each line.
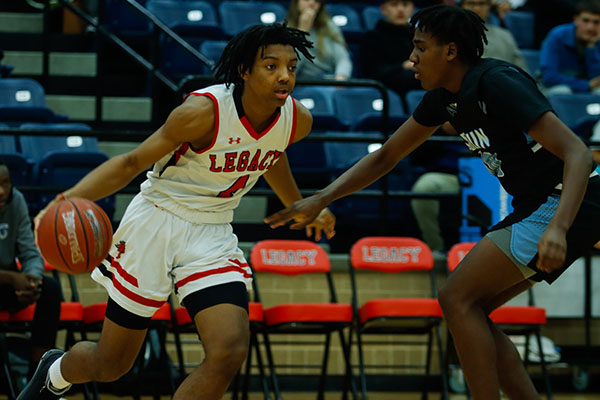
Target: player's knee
111,369
229,354
451,302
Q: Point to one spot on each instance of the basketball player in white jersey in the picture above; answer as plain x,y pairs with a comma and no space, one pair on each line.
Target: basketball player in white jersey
177,232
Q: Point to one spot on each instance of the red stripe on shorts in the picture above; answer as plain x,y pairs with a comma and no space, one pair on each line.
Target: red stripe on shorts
134,296
199,275
238,262
124,274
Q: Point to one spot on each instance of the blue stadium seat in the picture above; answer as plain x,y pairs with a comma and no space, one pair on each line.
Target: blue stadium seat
579,111
23,100
177,62
195,18
371,15
413,98
307,161
62,160
319,101
532,59
347,19
520,24
360,108
213,49
239,15
121,18
17,164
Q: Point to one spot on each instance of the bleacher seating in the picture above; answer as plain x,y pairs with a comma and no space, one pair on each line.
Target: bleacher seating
532,59
23,99
61,160
371,15
121,18
520,24
579,111
213,48
319,101
239,15
195,18
17,165
360,108
347,19
413,98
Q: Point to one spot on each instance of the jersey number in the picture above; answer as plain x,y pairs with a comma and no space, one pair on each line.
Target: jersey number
240,183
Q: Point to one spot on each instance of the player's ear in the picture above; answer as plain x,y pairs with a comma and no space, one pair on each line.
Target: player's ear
243,74
451,51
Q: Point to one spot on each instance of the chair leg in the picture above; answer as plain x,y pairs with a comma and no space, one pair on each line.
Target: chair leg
348,377
544,366
427,365
443,371
274,382
261,367
361,366
246,384
323,378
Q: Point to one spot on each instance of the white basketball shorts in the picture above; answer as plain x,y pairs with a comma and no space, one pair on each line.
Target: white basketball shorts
155,251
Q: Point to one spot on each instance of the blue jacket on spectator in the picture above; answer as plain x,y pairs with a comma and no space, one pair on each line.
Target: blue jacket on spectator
560,63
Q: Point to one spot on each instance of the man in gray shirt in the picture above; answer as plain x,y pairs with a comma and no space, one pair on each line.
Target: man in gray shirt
22,288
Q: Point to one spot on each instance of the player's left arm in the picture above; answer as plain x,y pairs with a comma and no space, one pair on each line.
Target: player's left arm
556,137
280,179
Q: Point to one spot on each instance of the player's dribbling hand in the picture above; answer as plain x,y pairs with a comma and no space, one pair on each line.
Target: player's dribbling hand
40,215
552,249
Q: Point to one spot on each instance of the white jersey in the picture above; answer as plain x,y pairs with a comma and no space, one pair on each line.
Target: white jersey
206,185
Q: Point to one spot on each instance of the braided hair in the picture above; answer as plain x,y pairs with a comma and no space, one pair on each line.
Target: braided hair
240,53
453,24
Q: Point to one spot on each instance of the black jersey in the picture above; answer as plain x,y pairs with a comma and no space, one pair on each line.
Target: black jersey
496,105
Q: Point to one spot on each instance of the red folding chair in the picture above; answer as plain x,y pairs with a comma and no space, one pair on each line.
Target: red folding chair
291,258
513,320
399,315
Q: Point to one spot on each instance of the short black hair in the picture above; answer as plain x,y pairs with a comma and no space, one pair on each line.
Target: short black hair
591,6
240,53
454,24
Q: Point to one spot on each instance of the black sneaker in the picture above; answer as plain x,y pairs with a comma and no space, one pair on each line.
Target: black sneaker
39,386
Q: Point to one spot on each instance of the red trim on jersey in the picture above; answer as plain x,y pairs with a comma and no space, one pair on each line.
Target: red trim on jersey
124,274
216,133
199,275
294,118
181,151
134,296
251,130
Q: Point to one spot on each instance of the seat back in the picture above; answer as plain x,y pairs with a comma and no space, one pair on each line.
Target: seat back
413,98
239,15
575,109
16,163
121,18
391,254
319,101
187,17
532,59
457,253
371,15
23,99
289,257
347,19
361,108
520,24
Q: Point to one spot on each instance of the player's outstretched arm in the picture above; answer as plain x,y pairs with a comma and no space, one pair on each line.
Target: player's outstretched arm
366,171
193,121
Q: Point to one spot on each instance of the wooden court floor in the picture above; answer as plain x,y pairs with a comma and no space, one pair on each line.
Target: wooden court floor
372,396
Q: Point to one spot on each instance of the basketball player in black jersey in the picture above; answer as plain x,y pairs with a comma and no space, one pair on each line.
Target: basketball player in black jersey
500,114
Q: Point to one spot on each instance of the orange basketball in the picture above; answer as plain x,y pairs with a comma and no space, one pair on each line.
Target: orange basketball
74,235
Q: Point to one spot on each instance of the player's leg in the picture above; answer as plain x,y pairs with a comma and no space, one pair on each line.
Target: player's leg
222,323
484,275
45,320
107,360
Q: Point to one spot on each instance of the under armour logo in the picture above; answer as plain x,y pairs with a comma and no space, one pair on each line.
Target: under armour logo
236,140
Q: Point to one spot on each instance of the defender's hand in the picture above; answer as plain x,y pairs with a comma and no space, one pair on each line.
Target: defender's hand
302,211
325,223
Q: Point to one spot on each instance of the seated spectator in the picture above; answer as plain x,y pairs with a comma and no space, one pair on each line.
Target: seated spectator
22,288
385,50
501,44
332,59
570,54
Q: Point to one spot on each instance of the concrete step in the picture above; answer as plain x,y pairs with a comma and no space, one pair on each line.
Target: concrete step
14,22
60,63
83,108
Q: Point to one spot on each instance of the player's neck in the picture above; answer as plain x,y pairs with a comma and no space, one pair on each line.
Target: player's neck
258,114
455,77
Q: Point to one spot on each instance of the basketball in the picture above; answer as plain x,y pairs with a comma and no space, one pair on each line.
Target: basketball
74,235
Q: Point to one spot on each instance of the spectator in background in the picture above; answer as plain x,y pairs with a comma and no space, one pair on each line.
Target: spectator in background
501,43
570,54
22,288
384,51
332,59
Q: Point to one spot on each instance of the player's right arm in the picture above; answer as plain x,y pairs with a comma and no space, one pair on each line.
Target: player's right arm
193,121
366,171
